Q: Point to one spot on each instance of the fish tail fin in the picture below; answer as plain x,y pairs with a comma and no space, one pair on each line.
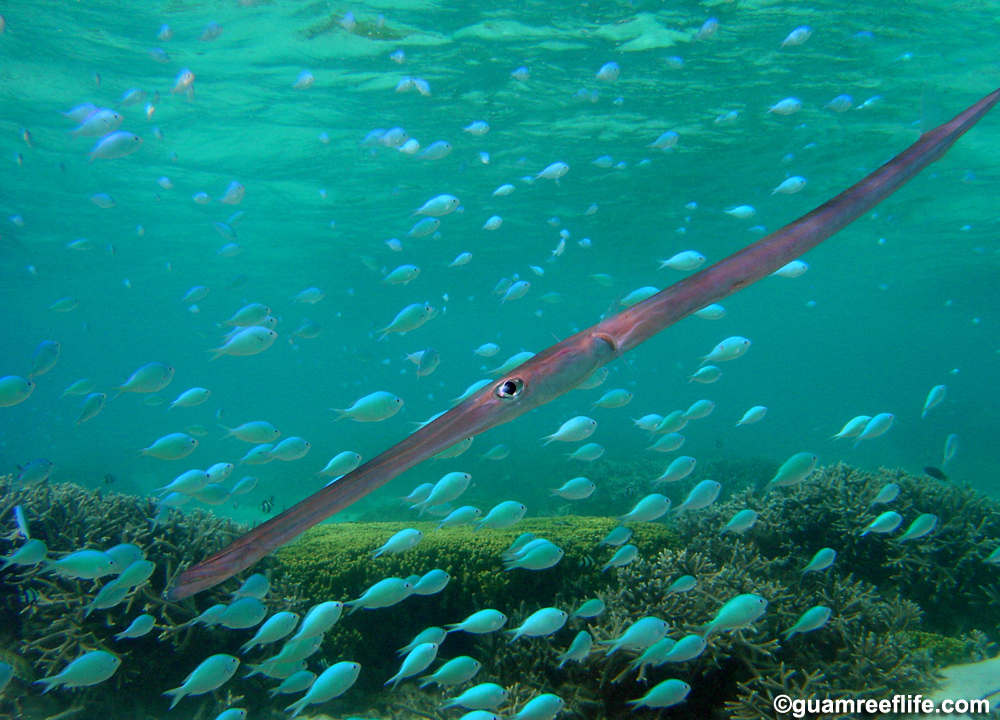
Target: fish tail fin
296,707
176,694
341,414
218,352
115,393
229,431
50,683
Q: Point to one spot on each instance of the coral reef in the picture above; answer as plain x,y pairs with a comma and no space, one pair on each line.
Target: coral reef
43,614
899,609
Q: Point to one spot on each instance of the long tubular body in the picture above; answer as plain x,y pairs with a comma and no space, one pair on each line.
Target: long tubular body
565,365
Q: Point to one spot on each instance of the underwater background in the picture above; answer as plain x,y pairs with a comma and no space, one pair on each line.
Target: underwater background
899,302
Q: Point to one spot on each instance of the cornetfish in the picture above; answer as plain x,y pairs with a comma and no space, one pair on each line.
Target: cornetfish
566,364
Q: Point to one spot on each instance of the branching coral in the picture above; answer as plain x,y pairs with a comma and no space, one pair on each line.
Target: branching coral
881,592
44,615
899,609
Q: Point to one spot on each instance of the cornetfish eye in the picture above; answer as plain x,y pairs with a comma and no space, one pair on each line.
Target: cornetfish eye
510,388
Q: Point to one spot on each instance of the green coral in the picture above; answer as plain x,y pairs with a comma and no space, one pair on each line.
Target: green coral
334,561
944,649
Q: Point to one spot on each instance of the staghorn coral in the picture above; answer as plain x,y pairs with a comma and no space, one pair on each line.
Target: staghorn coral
43,615
881,592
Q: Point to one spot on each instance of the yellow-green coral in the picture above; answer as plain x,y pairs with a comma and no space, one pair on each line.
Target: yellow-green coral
334,561
944,649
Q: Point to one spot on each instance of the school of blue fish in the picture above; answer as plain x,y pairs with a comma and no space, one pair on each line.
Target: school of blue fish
140,130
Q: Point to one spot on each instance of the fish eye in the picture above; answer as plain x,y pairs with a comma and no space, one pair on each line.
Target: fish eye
510,388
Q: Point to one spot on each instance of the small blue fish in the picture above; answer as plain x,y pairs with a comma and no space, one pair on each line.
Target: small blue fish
31,553
687,648
683,584
294,683
277,627
812,619
820,561
740,612
139,627
454,672
624,555
485,696
89,669
740,522
431,582
923,525
667,693
884,523
84,564
619,536
542,707
887,494
480,623
333,682
589,609
640,635
246,612
579,649
209,675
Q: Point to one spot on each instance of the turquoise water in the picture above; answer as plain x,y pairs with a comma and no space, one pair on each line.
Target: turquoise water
901,301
